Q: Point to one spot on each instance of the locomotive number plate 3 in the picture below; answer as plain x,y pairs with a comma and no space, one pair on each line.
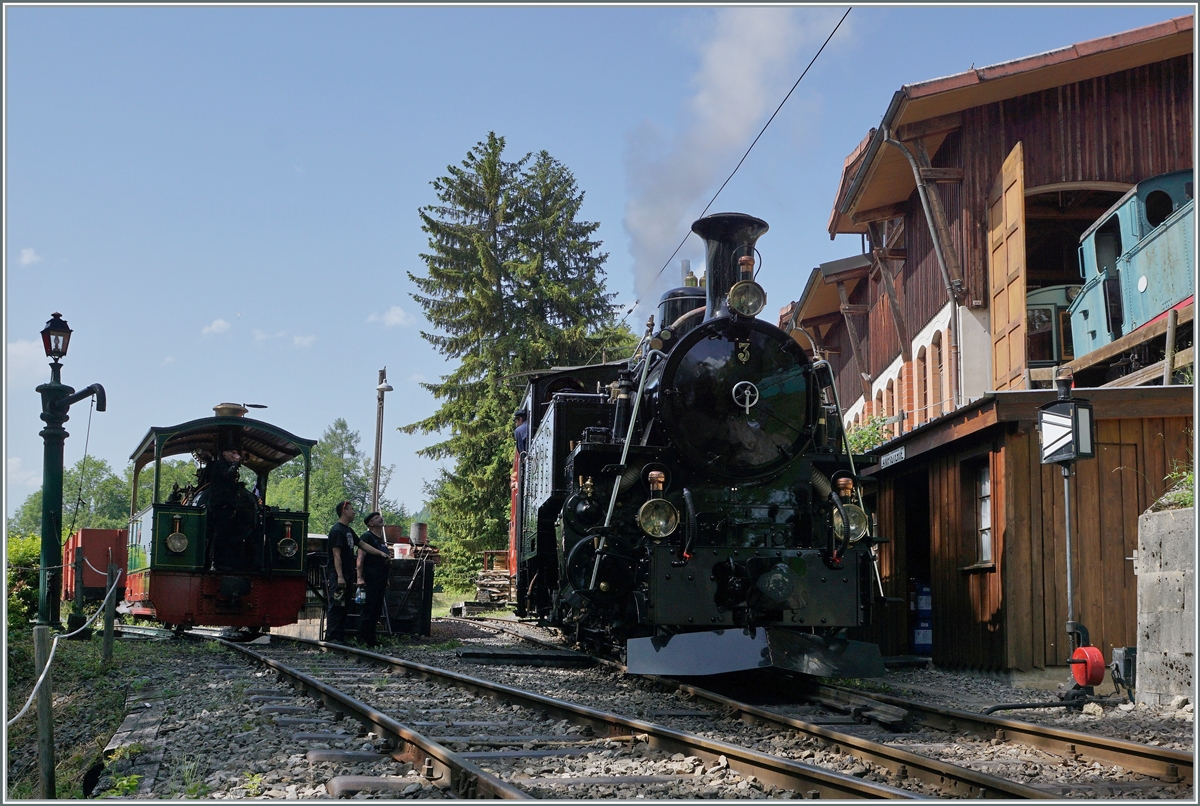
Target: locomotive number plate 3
743,351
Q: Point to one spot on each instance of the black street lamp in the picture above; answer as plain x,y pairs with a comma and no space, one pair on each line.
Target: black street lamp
57,399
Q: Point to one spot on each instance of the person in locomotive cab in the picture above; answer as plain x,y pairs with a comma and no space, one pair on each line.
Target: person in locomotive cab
373,563
341,541
232,509
521,430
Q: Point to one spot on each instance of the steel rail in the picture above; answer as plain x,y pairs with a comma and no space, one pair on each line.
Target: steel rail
465,779
1170,766
961,781
774,770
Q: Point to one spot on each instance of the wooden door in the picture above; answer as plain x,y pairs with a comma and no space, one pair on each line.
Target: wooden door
1006,272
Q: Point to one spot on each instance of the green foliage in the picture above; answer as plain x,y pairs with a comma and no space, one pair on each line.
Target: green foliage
514,282
340,471
1181,485
254,784
93,496
128,751
870,434
125,785
21,579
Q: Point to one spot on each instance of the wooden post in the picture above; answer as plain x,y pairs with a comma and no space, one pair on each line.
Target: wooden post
79,561
110,614
1169,358
45,713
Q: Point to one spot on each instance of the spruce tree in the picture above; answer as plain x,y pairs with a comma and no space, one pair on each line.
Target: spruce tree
514,283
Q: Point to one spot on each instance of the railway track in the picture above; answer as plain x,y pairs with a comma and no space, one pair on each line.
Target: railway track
926,758
497,756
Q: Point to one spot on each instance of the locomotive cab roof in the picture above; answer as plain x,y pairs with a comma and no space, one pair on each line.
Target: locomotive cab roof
264,447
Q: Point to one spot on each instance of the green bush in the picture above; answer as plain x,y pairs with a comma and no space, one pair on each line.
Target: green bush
870,434
21,579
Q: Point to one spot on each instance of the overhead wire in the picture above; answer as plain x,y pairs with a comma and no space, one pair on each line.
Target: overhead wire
748,150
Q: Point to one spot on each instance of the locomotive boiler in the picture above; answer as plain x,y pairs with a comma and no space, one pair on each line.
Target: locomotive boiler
695,509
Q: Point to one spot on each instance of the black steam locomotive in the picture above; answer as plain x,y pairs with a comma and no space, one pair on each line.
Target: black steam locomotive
694,509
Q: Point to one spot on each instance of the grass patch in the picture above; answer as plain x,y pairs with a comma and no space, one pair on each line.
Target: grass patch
444,599
89,705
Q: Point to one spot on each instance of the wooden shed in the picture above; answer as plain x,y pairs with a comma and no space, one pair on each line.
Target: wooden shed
969,509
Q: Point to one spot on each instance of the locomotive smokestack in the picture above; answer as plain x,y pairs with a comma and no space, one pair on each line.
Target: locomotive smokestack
727,237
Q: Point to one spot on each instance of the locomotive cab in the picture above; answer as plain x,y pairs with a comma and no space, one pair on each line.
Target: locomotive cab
215,552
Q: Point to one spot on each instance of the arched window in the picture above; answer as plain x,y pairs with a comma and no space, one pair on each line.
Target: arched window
919,388
878,410
935,375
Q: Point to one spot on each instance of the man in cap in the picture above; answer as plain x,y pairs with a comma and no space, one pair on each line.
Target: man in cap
373,564
521,431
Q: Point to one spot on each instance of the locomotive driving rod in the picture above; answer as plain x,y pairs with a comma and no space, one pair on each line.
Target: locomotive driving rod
612,501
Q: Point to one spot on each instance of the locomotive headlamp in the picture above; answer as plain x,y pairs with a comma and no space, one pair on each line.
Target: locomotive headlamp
177,541
747,298
859,523
288,547
658,518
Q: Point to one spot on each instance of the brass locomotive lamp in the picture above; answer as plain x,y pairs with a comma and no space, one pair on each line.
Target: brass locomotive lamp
747,298
658,517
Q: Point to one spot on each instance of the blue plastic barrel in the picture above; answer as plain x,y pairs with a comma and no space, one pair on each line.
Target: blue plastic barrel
924,602
922,637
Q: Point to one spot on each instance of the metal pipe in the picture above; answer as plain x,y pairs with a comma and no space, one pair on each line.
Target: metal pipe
612,501
1066,474
923,192
380,390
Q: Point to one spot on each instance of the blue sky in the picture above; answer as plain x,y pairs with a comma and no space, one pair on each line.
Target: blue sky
222,201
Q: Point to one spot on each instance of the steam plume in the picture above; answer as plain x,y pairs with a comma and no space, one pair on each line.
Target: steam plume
746,67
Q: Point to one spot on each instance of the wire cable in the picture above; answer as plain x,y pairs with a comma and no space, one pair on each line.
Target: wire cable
54,648
82,472
748,150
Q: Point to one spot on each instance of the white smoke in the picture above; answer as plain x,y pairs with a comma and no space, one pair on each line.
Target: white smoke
747,66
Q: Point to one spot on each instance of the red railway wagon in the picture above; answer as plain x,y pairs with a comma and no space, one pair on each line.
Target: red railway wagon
99,547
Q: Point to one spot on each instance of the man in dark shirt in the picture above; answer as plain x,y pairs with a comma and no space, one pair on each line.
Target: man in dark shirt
373,564
521,431
341,541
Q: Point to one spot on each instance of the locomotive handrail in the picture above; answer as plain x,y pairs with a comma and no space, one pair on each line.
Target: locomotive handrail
54,646
612,501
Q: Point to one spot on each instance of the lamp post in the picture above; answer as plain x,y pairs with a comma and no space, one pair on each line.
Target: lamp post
380,390
57,399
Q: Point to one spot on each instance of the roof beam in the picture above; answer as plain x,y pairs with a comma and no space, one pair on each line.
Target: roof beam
889,289
885,213
942,175
923,128
863,377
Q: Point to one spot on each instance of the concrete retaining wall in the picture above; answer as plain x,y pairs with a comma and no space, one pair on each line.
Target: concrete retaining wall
1166,609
